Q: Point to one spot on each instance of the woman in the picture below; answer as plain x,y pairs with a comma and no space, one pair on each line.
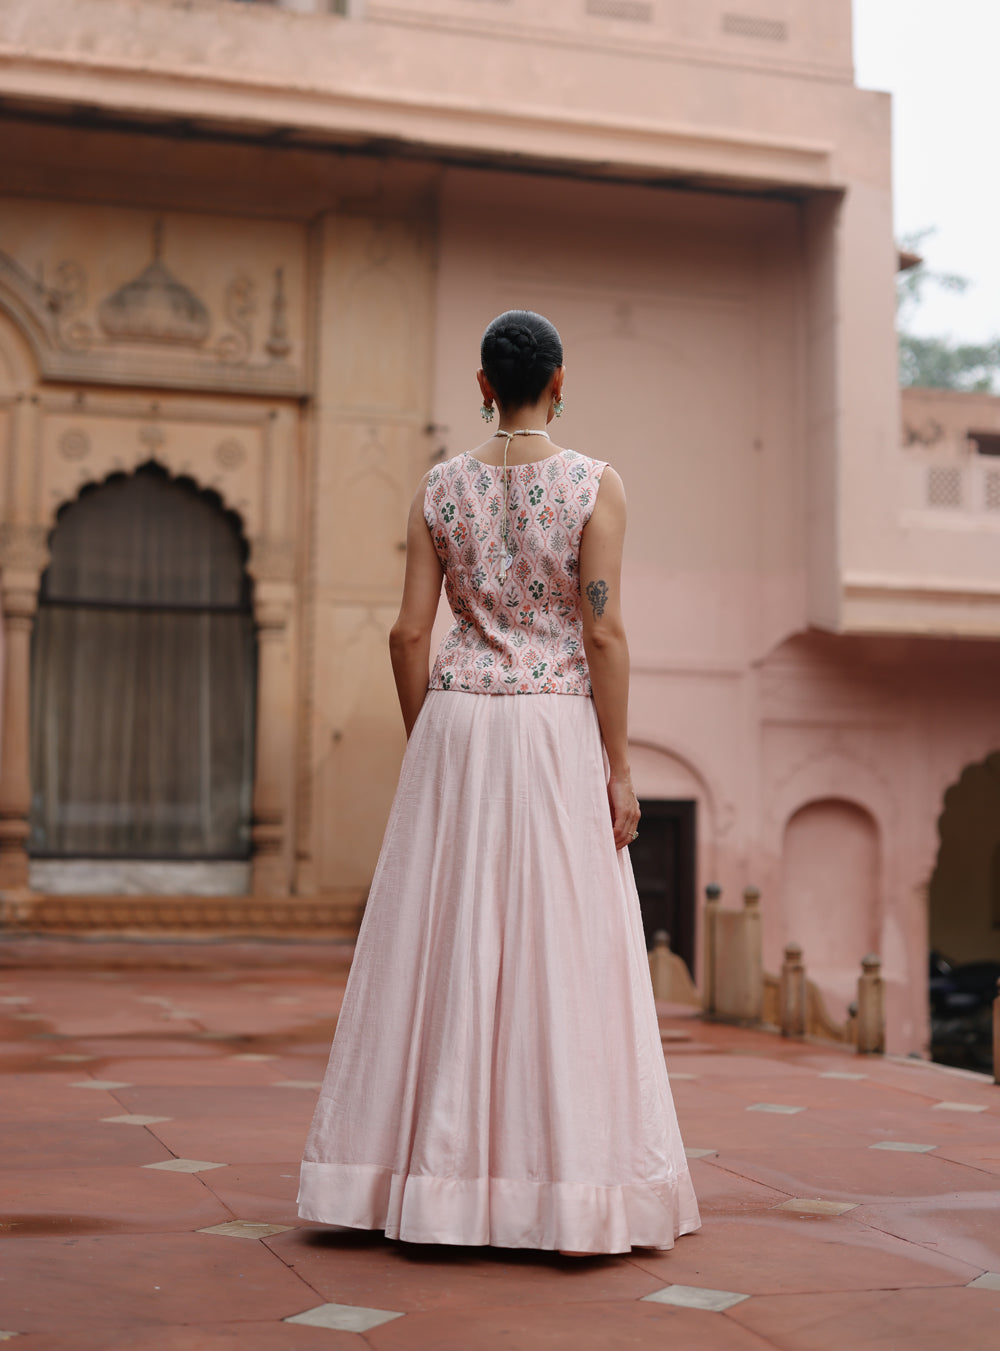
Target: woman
497,1075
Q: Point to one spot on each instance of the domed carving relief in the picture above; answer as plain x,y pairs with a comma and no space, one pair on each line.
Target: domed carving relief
154,307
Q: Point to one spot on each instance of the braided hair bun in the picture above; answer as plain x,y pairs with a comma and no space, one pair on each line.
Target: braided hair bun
520,352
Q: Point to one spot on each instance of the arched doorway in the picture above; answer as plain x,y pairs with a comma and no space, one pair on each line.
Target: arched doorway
143,678
964,892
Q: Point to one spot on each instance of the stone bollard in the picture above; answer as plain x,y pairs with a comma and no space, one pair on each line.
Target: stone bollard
792,993
753,956
713,895
659,964
996,1036
871,1007
672,981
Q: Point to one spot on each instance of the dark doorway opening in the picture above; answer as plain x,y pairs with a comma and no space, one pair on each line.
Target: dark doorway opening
663,860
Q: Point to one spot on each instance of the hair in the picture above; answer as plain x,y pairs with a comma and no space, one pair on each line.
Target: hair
520,351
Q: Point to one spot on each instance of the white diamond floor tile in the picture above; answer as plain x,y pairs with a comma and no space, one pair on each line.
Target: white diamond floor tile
71,1058
185,1165
672,1074
107,1084
344,1318
903,1146
701,1153
695,1297
6,1336
807,1205
16,999
247,1229
989,1280
30,1017
841,1074
778,1108
299,1083
154,999
957,1107
251,1055
134,1119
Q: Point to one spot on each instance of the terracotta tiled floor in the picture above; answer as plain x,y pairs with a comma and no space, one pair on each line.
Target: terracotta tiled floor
210,1053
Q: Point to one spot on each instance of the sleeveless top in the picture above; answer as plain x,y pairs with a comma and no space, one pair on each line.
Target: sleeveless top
524,636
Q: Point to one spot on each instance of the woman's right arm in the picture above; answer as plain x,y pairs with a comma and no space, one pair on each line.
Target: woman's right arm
606,646
410,636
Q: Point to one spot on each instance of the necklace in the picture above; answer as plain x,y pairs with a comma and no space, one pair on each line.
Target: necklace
508,558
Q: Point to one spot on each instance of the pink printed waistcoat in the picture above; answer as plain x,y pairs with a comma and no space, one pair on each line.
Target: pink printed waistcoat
526,635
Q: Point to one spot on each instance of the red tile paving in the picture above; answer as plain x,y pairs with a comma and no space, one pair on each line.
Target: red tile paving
103,1253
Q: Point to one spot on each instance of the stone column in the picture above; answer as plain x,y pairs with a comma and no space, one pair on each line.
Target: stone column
275,741
19,598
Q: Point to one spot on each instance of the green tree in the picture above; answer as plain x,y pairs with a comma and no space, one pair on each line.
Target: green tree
937,362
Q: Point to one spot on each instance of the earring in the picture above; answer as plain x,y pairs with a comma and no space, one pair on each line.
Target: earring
558,407
487,412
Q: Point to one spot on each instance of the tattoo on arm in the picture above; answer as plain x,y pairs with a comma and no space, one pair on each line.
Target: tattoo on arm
597,594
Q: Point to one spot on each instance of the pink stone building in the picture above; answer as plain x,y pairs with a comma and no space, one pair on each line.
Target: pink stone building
246,254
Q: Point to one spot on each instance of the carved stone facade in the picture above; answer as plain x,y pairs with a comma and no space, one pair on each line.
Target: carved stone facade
266,270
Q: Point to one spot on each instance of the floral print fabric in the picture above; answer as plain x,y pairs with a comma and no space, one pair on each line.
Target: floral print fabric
524,636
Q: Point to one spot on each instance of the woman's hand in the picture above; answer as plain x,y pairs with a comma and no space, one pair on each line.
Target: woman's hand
624,809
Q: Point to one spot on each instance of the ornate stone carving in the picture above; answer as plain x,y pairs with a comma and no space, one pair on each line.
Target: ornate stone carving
23,548
278,345
272,560
69,294
929,433
154,307
152,437
74,444
230,453
240,306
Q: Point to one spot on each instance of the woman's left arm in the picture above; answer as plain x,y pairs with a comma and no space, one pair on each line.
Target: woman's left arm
410,636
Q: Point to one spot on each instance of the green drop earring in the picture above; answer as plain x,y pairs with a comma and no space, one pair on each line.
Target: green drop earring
486,412
558,407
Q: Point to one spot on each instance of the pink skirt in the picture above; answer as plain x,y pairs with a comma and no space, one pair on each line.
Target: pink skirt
497,1075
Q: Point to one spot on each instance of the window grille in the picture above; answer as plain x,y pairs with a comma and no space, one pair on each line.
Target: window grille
991,490
944,486
749,26
633,11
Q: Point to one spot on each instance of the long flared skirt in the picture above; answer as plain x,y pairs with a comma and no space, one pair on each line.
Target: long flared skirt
497,1075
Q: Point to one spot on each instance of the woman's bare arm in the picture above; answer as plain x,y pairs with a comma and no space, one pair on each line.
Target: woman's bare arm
606,646
410,637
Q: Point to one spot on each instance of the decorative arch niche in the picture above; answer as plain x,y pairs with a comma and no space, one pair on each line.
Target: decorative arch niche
831,872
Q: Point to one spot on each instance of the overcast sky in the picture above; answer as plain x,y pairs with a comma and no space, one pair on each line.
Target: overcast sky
940,60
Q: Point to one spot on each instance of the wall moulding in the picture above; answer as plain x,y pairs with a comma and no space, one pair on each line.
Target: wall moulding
332,918
570,142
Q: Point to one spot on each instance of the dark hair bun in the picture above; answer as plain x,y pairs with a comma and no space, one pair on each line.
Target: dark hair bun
520,352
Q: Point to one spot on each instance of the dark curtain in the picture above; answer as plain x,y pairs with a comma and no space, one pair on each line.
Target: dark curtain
143,677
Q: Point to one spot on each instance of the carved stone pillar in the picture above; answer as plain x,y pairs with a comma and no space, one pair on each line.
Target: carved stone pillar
275,740
19,597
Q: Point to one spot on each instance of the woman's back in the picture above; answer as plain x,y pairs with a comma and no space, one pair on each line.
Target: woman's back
522,634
